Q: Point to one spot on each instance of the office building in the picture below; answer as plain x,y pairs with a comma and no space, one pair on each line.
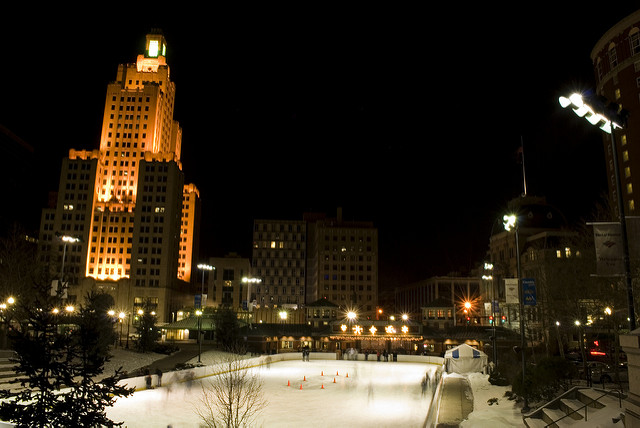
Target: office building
128,220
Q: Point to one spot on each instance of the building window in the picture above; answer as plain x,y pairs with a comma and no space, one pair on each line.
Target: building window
613,57
634,40
629,188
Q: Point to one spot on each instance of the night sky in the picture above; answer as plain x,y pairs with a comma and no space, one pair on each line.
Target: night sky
409,118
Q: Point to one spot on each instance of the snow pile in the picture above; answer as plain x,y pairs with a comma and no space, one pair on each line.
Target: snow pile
129,360
501,413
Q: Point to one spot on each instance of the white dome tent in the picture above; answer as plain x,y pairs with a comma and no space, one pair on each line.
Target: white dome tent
465,359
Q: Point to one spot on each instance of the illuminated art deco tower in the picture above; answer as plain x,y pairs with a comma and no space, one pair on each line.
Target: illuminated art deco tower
127,201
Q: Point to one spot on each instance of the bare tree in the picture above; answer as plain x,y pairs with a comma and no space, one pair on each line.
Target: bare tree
234,397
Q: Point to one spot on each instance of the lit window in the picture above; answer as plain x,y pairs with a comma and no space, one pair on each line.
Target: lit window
632,205
629,188
627,172
153,48
559,254
625,156
567,252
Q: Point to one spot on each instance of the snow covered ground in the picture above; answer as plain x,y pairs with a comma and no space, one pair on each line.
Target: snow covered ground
374,395
317,393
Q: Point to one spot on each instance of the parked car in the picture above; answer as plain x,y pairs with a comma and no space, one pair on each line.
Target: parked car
605,373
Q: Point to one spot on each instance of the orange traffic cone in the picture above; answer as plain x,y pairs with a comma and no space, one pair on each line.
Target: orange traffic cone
300,386
322,373
304,378
334,380
337,374
347,374
288,383
322,386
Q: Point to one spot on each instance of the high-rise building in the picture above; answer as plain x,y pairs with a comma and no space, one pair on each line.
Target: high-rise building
299,262
343,263
279,261
135,219
616,63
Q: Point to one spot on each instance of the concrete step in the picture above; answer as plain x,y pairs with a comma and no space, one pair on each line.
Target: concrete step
553,415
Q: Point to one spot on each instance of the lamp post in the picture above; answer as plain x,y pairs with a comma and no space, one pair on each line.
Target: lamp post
560,347
511,222
121,317
488,276
249,281
283,320
199,318
203,267
608,118
66,239
585,367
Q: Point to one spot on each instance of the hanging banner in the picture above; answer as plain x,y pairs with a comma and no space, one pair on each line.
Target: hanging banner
511,291
529,291
608,245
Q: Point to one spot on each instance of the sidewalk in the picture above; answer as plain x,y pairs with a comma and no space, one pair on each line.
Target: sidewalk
187,352
456,402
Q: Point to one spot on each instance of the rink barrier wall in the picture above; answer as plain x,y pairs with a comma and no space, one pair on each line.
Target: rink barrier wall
186,375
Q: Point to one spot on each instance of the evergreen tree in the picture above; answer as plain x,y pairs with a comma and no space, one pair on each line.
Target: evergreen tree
148,332
60,354
227,329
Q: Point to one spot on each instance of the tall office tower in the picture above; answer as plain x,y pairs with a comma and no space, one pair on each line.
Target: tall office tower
126,200
343,263
616,62
279,261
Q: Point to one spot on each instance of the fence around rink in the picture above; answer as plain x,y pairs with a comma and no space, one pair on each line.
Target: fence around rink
189,374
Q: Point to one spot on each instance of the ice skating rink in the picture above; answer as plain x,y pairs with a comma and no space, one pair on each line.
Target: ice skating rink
316,393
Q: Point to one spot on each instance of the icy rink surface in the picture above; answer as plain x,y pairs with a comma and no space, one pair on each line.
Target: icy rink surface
364,394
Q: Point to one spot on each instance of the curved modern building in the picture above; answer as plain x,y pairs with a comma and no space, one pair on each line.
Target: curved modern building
616,62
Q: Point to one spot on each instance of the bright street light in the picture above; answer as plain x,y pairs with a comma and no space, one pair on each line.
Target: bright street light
609,116
511,222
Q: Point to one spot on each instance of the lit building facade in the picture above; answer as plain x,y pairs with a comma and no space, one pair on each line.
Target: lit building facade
302,261
225,287
279,262
343,263
616,63
126,201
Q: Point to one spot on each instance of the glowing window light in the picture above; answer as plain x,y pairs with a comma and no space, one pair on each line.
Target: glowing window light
153,48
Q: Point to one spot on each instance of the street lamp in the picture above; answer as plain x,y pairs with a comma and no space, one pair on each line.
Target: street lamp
67,239
283,320
199,318
511,222
488,276
249,281
609,116
560,347
203,267
121,316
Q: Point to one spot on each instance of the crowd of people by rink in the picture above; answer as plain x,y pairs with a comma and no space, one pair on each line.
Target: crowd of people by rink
352,354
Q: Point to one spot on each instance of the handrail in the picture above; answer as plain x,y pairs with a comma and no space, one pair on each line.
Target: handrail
618,391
